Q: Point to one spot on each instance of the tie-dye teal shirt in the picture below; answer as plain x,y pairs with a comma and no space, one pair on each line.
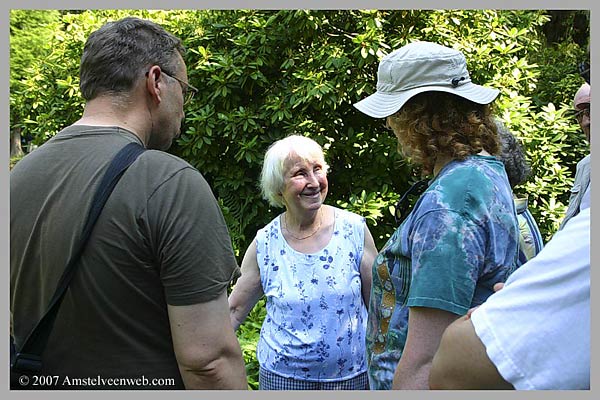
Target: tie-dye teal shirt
459,240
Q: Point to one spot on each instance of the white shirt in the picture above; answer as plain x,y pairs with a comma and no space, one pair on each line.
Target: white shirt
536,330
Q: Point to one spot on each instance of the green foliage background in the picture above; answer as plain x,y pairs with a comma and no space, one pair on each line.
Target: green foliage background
266,74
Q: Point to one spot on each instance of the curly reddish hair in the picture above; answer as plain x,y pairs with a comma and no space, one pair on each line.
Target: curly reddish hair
434,123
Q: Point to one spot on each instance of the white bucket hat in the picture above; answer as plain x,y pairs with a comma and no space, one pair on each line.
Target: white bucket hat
421,67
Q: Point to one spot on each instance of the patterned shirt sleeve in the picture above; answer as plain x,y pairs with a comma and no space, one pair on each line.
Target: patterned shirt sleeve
447,253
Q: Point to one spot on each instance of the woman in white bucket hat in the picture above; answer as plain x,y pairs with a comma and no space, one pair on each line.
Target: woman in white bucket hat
461,236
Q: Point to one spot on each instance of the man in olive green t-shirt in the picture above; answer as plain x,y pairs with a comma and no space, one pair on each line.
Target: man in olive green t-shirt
147,307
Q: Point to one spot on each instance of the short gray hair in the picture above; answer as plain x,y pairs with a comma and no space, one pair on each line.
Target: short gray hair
116,56
272,178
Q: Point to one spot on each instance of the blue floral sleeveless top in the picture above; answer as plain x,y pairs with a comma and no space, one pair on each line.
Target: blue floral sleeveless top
315,325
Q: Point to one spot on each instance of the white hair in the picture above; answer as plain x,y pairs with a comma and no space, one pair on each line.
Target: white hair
272,178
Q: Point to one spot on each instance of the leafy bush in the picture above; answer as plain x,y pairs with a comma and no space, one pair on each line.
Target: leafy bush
248,334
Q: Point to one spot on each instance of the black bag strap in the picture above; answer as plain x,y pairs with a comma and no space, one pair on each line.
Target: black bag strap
29,356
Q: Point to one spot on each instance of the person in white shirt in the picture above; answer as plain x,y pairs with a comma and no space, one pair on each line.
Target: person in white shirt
534,333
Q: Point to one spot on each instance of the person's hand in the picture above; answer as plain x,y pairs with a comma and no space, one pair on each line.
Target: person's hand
497,287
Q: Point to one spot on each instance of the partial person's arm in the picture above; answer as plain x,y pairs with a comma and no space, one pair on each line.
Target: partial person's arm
366,265
425,329
247,290
461,361
206,348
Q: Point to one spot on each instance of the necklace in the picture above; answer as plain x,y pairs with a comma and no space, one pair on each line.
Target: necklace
305,237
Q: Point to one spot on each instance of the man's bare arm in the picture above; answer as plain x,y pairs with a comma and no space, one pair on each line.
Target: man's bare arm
461,361
207,350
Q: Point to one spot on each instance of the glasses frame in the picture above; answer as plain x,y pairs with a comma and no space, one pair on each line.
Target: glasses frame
188,90
585,111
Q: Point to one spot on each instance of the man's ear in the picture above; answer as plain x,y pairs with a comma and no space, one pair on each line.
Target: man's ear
154,83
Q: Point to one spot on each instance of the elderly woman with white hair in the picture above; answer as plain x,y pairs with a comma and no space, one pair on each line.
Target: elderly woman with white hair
313,264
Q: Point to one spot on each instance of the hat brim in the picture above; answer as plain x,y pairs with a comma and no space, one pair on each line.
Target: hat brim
382,104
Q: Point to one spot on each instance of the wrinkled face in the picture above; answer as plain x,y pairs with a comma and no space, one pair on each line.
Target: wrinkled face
583,117
305,184
169,115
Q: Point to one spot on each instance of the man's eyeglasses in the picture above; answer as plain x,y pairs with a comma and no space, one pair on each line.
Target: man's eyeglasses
584,112
188,90
402,207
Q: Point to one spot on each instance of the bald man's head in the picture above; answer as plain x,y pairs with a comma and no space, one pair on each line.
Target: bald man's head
582,96
581,104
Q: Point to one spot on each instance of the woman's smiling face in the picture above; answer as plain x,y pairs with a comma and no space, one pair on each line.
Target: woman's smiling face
305,184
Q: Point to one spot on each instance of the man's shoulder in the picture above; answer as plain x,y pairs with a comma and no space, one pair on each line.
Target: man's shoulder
155,169
158,156
584,162
161,163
